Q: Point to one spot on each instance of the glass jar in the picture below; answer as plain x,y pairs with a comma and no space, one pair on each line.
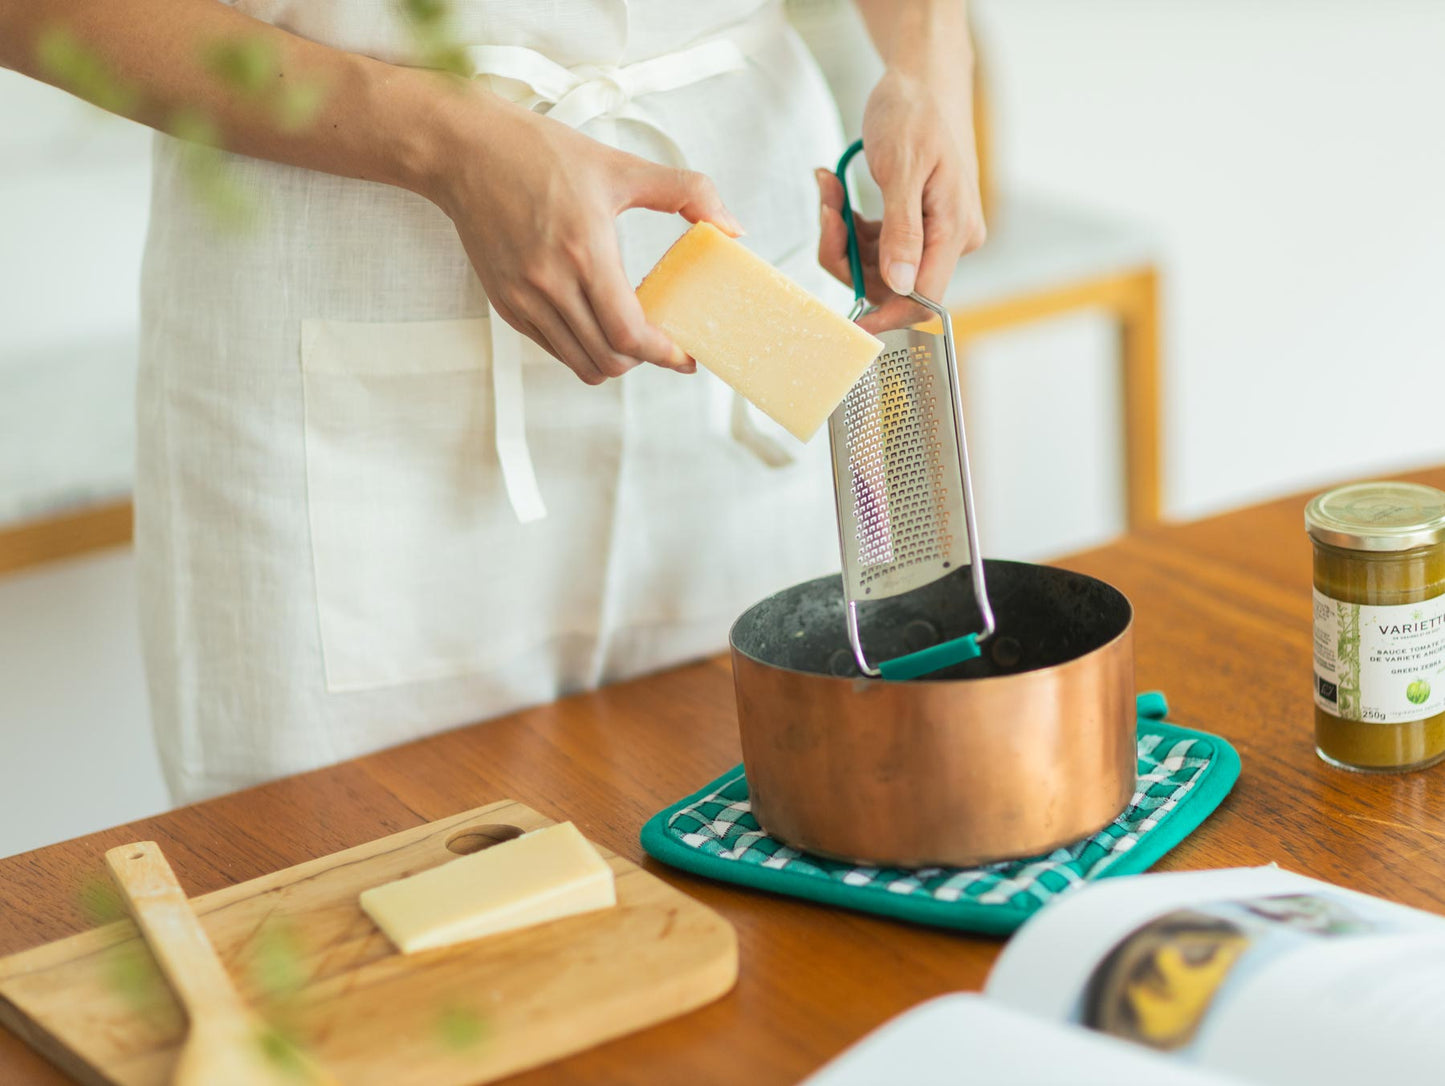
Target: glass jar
1379,595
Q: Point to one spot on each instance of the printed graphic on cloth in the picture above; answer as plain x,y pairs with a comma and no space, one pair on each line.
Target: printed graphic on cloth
721,824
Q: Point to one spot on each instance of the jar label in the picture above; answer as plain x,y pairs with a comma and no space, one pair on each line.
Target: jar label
1381,664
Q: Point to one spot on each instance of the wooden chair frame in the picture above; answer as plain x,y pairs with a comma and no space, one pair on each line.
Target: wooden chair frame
64,535
1132,299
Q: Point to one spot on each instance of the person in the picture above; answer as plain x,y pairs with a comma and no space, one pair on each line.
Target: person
373,500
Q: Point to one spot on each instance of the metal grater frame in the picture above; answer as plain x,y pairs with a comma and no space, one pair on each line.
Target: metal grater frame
901,477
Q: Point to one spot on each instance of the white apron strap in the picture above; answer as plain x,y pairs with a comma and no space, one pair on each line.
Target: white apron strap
584,93
746,433
511,422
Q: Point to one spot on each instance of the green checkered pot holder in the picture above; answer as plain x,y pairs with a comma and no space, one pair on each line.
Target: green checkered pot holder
1183,776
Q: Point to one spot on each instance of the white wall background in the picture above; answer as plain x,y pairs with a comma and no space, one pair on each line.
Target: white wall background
75,747
1286,152
74,186
1289,154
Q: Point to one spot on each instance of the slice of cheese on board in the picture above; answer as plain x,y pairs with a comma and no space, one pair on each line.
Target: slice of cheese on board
540,876
787,353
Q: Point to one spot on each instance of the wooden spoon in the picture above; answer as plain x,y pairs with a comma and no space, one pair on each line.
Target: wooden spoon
228,1044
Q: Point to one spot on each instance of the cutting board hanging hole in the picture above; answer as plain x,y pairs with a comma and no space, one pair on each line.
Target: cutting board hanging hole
475,838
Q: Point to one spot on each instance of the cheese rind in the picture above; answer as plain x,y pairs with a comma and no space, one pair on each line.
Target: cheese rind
787,353
541,876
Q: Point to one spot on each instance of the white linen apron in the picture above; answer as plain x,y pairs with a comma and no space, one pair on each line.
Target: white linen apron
364,511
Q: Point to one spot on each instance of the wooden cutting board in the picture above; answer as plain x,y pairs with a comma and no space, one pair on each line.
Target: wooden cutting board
301,950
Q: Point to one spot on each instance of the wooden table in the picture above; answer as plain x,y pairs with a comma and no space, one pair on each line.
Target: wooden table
1223,626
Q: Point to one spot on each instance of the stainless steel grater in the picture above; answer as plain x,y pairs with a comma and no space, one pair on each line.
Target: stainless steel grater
901,478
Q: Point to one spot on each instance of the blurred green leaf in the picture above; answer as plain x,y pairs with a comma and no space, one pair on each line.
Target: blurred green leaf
425,13
132,973
282,1050
460,1027
276,964
230,206
195,127
248,65
100,902
434,37
251,68
452,59
127,968
82,72
298,104
204,166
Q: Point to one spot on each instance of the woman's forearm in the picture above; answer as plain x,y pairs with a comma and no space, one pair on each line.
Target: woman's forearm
927,38
928,41
199,66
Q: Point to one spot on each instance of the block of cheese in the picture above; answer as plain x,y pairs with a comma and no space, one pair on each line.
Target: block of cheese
540,876
790,356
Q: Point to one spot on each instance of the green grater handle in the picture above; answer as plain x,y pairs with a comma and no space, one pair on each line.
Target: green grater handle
855,259
934,658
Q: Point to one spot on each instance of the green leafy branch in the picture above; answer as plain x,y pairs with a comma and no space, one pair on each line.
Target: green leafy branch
249,68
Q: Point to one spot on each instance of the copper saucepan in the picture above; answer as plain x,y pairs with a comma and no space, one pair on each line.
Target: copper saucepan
1027,748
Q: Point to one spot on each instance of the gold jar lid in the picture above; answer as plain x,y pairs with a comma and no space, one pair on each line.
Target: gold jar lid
1377,516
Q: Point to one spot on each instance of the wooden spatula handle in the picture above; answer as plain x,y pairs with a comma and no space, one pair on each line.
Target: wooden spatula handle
171,929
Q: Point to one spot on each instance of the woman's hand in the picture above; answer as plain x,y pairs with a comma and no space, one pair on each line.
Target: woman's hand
535,203
919,144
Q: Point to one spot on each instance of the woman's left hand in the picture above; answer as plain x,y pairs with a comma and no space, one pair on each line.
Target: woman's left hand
918,135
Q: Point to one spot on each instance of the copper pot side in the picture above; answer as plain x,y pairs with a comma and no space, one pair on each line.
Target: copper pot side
953,772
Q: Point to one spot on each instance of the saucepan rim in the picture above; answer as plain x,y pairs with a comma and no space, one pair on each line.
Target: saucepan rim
1033,673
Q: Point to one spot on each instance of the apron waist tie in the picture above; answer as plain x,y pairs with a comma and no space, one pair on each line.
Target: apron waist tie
576,96
518,475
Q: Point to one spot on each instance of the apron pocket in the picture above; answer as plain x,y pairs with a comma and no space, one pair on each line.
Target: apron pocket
407,507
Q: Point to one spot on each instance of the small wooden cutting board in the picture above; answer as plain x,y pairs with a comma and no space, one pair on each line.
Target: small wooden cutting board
299,946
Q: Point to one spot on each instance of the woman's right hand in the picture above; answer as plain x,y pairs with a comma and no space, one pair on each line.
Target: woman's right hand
535,203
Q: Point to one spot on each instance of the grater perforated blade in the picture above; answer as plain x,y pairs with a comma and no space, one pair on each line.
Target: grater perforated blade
901,478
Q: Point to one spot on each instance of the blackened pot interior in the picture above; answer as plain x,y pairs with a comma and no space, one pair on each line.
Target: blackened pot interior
1046,617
